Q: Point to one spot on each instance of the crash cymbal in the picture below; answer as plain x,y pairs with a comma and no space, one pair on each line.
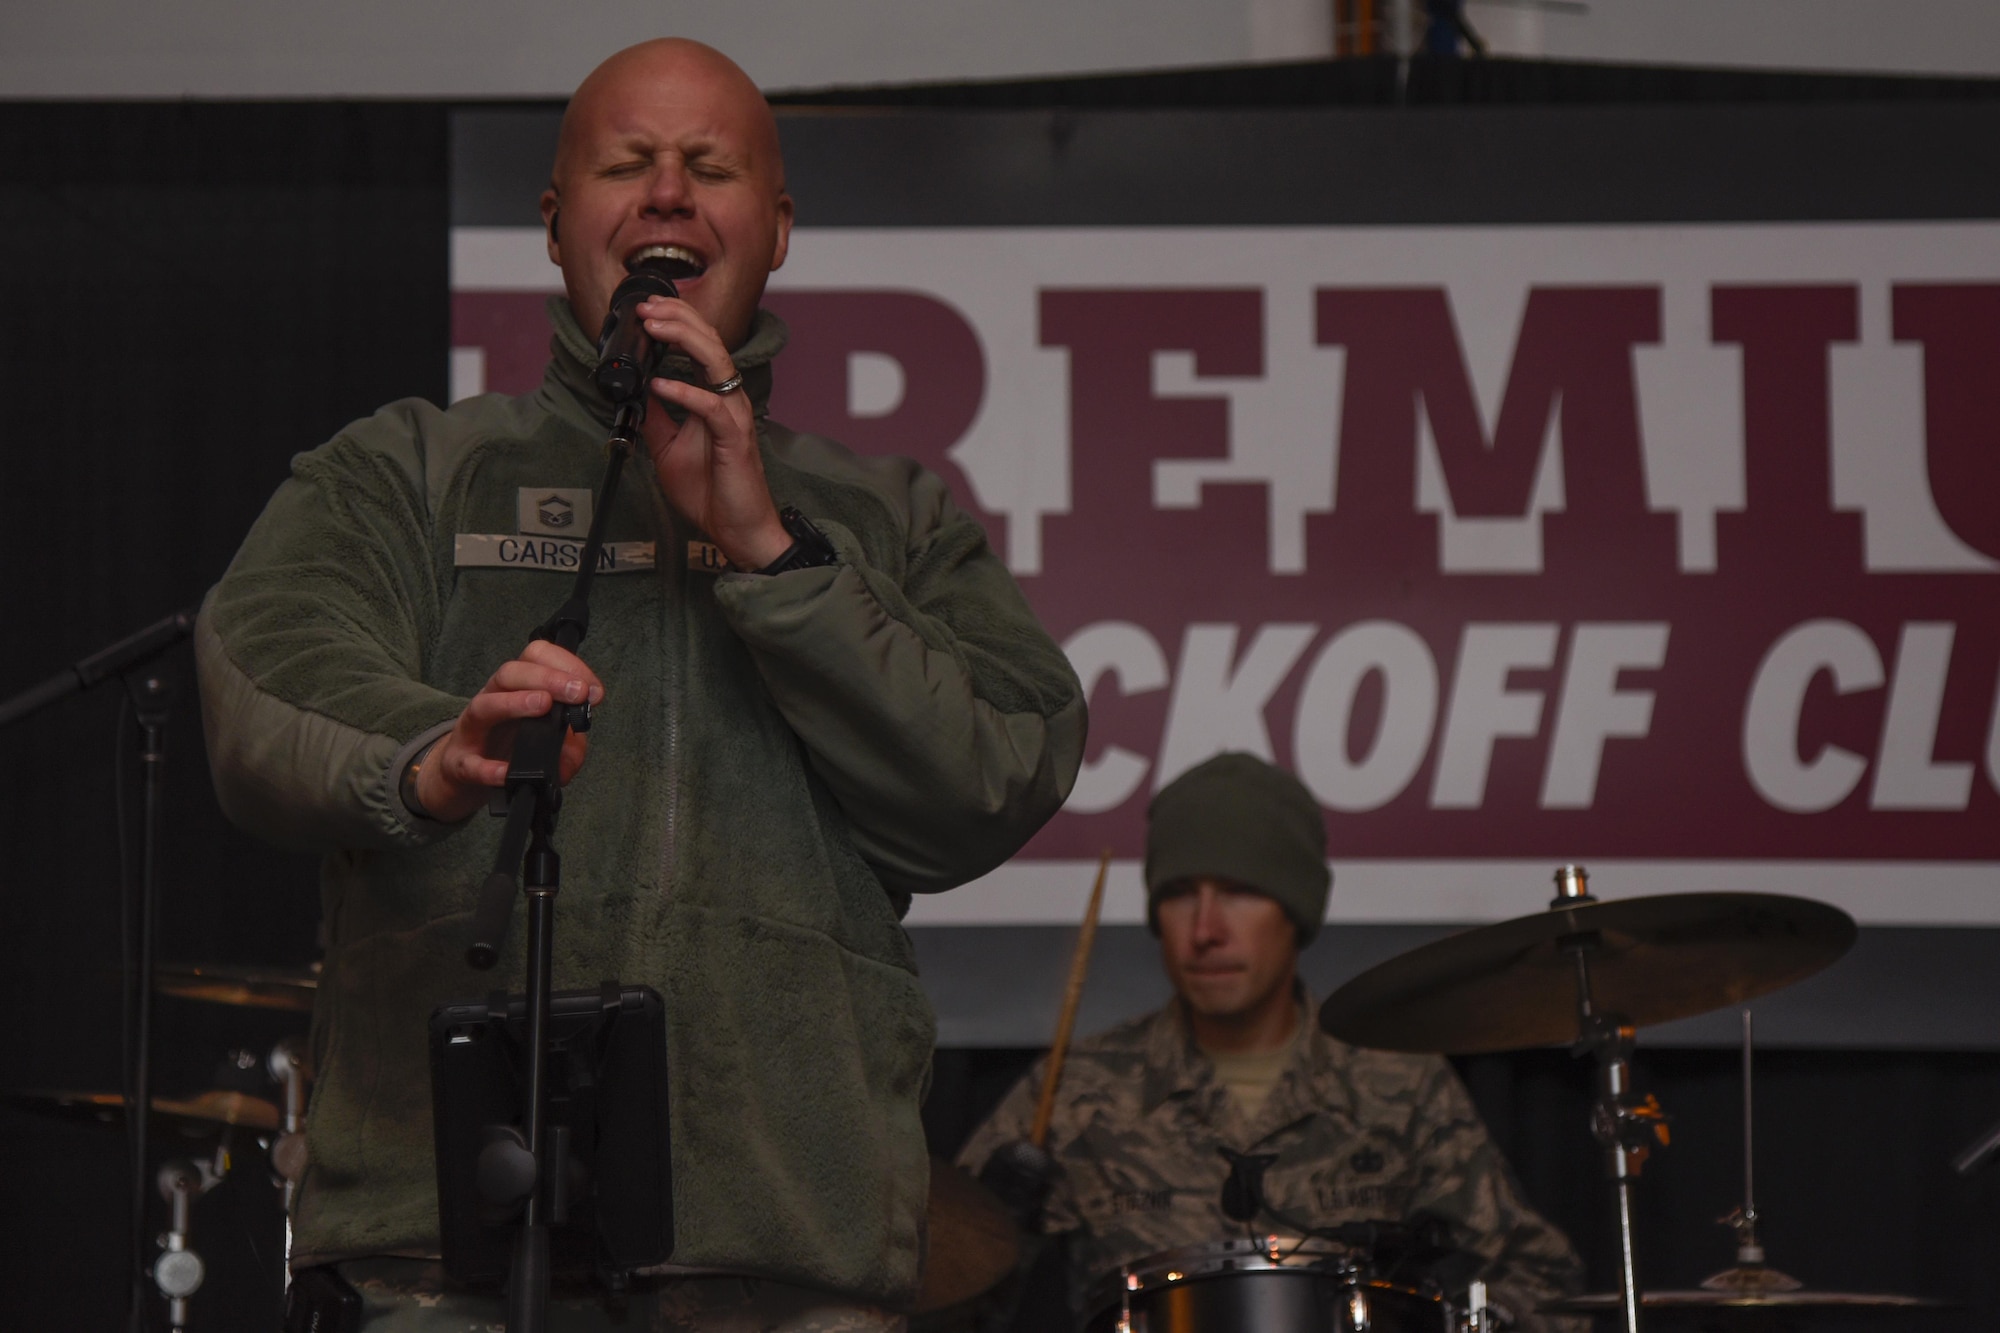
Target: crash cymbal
973,1241
200,1112
290,989
1727,1309
1652,960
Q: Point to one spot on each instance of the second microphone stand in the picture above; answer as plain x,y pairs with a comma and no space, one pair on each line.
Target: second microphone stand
151,697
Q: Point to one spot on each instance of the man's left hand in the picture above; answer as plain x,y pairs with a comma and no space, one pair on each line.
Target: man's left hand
1020,1176
708,464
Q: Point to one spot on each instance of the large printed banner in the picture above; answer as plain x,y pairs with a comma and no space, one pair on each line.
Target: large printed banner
1673,549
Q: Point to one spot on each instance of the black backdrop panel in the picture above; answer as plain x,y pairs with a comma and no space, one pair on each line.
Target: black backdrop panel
1343,167
189,294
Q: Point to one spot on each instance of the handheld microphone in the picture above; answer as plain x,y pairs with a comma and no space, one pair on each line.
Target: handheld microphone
626,357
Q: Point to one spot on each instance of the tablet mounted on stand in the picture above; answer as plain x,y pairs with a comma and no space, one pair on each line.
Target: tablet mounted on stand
607,1147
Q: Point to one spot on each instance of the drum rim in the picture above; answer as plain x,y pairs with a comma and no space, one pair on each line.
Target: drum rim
1311,1256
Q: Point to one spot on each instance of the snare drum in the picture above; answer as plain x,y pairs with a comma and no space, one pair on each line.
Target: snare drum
1262,1286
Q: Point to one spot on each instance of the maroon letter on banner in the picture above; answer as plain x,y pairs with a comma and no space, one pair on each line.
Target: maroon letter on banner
1573,356
1960,330
511,329
1118,427
944,377
1788,517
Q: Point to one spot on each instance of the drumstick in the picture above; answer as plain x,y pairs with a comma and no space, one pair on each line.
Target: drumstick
1079,964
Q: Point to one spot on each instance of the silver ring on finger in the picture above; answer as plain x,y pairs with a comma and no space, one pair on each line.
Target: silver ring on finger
728,386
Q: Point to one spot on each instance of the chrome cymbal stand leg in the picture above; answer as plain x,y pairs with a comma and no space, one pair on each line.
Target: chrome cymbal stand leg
1749,1136
179,1271
1751,1275
152,703
1627,1127
288,1153
1619,1124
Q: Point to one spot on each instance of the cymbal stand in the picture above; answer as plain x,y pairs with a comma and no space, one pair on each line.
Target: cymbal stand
1751,1276
179,1271
1627,1127
286,1064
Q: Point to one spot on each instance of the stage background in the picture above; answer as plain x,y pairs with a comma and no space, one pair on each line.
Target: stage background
191,293
1149,346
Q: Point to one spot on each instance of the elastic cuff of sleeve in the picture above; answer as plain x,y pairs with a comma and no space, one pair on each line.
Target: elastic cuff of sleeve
738,591
393,776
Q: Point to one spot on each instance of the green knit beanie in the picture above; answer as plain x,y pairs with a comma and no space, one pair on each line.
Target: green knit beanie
1236,817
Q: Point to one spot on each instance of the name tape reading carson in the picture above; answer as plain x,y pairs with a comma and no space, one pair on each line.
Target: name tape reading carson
488,550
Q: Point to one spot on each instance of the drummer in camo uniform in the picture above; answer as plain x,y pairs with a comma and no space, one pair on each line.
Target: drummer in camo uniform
1148,1112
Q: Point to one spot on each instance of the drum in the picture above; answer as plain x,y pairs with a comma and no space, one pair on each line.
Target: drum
1269,1285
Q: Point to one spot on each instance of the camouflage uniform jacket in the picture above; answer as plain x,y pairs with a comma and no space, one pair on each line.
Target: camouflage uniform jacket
1359,1135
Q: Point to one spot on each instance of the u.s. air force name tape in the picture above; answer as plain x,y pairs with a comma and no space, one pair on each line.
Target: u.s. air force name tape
497,550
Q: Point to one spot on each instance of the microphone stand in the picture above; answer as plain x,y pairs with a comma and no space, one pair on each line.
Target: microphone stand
121,656
152,699
531,799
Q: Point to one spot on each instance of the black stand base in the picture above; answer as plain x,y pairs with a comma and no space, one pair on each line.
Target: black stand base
527,1294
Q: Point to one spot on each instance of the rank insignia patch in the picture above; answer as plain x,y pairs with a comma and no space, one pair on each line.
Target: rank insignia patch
553,511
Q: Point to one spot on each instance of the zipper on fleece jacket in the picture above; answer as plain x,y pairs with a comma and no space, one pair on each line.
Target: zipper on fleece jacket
674,635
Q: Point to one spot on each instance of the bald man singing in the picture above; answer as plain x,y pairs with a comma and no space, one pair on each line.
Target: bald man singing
817,692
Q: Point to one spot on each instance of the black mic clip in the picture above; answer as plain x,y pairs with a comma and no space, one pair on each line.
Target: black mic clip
1243,1192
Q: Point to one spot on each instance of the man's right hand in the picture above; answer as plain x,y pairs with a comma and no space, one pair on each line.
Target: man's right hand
459,772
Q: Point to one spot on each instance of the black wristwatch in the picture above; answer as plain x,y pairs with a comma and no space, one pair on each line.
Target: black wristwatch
809,549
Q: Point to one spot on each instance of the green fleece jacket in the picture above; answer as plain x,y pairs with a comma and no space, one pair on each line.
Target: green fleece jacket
779,762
